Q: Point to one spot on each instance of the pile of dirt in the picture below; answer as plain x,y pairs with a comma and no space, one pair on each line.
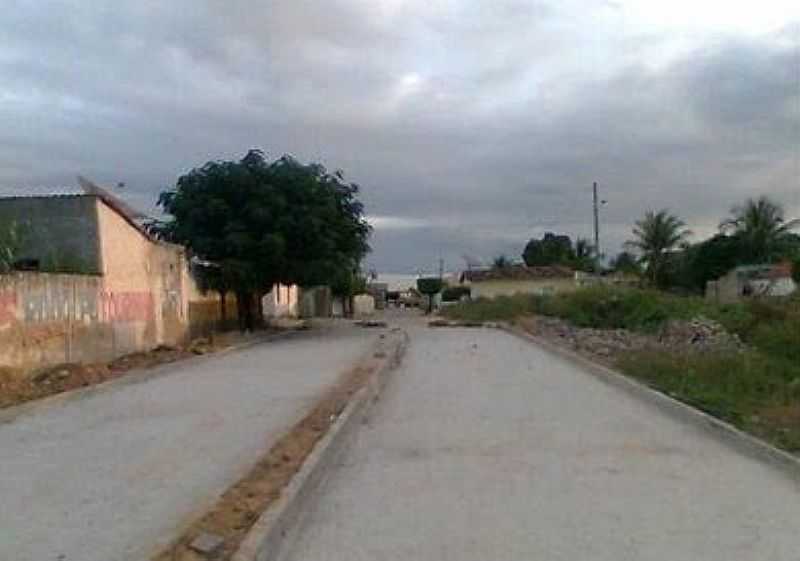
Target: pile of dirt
19,387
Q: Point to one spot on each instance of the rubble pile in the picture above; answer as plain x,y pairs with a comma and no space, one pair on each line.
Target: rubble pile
700,334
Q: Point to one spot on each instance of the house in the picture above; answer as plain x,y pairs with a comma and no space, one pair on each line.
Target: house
752,281
92,283
505,281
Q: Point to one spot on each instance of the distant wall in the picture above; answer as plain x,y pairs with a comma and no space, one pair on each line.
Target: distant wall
363,305
59,232
283,301
493,288
316,302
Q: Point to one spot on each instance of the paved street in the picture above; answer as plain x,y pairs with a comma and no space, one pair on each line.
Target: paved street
485,447
109,475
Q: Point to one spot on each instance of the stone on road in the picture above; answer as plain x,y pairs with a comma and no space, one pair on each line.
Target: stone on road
113,474
485,447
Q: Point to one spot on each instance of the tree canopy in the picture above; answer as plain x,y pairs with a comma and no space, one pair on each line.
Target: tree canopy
761,229
656,235
258,222
552,249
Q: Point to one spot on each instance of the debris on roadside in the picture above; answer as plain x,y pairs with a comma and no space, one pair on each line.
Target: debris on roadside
698,335
454,323
371,323
207,543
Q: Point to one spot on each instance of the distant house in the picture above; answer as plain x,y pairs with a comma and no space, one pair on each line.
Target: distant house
752,281
514,279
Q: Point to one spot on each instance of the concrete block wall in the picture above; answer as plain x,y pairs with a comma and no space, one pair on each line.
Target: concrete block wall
48,319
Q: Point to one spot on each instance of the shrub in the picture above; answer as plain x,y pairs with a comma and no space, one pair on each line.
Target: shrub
501,308
605,307
455,293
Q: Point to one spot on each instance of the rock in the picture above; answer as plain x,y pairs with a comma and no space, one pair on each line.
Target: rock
207,543
200,346
372,323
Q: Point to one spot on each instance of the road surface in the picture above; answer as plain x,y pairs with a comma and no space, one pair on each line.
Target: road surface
485,447
112,475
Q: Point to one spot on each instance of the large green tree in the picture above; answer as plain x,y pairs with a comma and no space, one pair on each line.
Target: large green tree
711,259
656,236
763,232
552,249
257,223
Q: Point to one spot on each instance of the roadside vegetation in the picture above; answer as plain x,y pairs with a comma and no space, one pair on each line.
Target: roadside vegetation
752,380
757,388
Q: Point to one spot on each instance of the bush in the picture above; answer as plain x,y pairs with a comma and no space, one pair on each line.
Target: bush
455,293
501,308
605,307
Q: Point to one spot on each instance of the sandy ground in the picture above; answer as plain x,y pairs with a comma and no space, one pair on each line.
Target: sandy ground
112,474
487,447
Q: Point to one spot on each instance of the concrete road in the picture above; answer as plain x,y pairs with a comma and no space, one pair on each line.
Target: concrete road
111,475
486,447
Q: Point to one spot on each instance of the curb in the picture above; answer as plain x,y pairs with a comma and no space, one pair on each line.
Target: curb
134,376
276,526
742,442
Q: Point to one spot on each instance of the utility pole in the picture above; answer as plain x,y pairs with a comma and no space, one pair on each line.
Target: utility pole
441,268
596,221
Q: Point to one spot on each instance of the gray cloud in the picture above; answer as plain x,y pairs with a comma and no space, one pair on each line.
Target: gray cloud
470,125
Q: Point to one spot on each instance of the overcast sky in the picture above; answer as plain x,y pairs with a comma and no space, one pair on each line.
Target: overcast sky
471,125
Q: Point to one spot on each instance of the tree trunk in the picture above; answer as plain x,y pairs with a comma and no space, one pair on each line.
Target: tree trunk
223,312
258,309
244,306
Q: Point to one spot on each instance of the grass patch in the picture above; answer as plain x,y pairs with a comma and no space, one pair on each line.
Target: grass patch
501,308
756,392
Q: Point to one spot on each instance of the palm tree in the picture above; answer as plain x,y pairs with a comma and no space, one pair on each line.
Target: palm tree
656,235
761,227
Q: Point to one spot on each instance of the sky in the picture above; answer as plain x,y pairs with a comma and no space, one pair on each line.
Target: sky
470,125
